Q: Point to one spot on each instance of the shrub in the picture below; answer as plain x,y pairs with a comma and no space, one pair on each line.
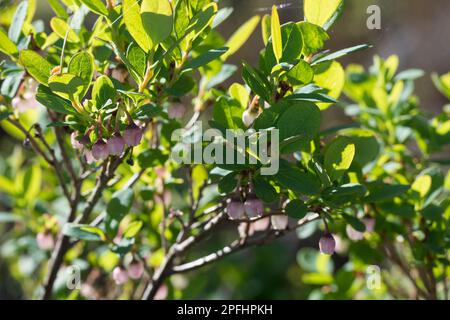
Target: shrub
100,108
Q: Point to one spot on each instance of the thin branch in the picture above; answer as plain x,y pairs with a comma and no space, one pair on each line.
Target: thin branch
236,246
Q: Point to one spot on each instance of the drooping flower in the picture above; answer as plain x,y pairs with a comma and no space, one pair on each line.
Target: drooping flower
176,111
254,207
116,144
327,244
45,240
261,224
76,144
235,209
249,116
100,150
132,135
353,234
120,275
136,269
369,223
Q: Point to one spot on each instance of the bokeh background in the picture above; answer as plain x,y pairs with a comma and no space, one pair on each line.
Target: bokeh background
417,31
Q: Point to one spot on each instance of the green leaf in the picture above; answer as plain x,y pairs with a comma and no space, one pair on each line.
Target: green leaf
302,118
103,91
339,155
204,59
265,28
96,6
6,217
366,145
330,76
292,44
202,20
83,232
422,185
120,204
58,8
152,158
380,191
18,21
118,207
296,209
36,66
314,37
347,193
442,83
135,26
6,45
133,229
51,101
228,183
240,93
294,179
67,86
240,36
355,223
301,73
228,113
61,28
264,190
322,12
277,43
157,17
5,115
340,53
257,82
137,58
82,66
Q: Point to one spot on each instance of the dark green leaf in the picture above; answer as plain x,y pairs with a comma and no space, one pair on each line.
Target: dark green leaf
296,209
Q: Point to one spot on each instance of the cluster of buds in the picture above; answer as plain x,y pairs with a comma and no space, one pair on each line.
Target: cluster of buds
134,271
114,146
252,208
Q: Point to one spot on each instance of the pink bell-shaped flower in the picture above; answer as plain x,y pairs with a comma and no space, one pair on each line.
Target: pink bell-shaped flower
116,145
132,135
120,275
136,269
327,244
100,150
45,240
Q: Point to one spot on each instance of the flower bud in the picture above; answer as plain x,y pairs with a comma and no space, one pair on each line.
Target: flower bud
176,111
116,145
254,207
45,241
235,209
354,234
120,275
369,223
248,117
279,222
89,158
132,135
136,269
100,150
162,293
327,244
261,224
76,144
